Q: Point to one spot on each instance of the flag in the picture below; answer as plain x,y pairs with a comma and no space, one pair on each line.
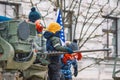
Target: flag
59,20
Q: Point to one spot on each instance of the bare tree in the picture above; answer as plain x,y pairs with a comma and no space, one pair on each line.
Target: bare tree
87,17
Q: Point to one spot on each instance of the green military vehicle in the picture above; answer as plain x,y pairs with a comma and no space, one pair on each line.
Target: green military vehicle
18,52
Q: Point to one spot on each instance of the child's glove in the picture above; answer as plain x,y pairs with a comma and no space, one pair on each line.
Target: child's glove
69,50
75,72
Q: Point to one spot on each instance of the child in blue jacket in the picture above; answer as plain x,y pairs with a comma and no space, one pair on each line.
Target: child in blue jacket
66,69
68,60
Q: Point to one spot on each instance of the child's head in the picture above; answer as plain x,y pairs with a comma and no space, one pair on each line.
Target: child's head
34,15
67,43
53,27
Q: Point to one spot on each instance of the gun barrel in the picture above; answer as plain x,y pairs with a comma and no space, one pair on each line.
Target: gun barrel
95,50
82,51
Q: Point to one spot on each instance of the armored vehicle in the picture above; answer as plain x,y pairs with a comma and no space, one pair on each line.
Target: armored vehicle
18,52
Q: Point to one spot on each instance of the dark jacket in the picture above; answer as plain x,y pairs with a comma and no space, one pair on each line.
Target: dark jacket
53,44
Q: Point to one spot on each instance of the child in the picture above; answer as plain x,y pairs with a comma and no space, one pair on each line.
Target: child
68,60
35,17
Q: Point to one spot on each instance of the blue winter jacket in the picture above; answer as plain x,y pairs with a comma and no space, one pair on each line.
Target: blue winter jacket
66,68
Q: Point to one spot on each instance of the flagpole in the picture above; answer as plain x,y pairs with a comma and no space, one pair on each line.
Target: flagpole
57,14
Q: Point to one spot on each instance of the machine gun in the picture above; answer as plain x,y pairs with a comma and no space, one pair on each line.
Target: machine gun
77,51
42,56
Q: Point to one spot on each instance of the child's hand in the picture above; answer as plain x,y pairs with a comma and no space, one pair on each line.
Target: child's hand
39,35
